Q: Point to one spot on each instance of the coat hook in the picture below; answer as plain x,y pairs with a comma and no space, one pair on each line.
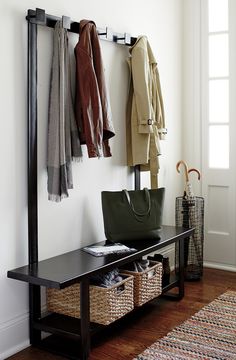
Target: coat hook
126,38
37,16
66,22
108,33
102,33
40,15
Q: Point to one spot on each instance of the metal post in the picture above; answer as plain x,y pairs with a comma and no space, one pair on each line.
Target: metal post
181,268
32,144
34,290
137,177
85,319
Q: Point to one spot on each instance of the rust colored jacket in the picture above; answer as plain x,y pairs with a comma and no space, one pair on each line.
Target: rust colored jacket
93,113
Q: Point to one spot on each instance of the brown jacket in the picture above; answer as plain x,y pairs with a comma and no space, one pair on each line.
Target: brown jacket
93,113
145,110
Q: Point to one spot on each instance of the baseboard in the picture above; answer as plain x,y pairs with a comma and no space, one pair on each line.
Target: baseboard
14,335
219,266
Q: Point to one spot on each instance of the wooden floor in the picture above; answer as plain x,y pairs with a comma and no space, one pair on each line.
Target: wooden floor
136,332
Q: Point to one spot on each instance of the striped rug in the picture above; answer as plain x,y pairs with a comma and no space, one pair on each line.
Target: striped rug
209,334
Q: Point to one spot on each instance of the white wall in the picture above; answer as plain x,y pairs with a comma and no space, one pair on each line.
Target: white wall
192,87
78,220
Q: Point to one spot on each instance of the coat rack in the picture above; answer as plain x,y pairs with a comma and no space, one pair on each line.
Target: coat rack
34,18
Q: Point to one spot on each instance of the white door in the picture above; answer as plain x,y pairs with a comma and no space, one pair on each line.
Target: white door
219,130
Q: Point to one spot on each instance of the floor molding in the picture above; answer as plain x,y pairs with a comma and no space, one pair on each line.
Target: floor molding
219,266
14,335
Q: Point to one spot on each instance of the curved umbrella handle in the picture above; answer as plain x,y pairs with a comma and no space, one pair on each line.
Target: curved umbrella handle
195,170
186,171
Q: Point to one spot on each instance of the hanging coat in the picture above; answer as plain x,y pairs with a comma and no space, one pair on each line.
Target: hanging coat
145,111
93,113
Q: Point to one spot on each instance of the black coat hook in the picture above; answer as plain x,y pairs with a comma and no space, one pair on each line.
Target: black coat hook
38,16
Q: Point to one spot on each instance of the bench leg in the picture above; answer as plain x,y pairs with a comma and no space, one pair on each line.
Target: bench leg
181,268
85,319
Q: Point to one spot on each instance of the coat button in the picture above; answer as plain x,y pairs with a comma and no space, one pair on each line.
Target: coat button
150,121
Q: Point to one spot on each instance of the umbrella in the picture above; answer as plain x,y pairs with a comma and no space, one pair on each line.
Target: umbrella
189,212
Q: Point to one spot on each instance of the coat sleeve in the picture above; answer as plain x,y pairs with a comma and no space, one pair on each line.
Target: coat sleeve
140,77
159,110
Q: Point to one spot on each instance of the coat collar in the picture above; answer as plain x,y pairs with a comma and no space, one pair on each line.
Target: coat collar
142,42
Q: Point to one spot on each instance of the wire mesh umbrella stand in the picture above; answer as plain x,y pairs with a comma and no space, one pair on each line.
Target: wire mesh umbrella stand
189,212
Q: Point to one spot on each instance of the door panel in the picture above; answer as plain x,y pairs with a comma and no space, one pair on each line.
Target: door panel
218,135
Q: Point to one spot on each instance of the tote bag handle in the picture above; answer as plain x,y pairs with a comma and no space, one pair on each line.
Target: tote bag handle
148,200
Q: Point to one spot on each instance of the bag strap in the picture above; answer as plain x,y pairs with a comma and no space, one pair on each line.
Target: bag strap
147,196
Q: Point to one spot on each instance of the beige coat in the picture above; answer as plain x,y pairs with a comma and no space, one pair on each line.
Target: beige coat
145,111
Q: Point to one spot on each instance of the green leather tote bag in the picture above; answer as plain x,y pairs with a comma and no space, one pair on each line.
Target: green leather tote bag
132,215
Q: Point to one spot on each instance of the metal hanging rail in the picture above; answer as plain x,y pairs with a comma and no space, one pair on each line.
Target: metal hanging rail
39,17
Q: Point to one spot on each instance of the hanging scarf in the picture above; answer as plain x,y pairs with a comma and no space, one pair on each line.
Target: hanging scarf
63,139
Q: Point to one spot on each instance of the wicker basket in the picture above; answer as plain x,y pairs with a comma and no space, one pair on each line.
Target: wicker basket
147,284
106,304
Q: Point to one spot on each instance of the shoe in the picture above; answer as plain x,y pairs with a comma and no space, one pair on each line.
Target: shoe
165,265
166,271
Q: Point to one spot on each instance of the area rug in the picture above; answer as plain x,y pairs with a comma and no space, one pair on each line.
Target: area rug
209,334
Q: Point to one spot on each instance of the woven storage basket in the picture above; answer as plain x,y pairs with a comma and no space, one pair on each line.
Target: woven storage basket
106,304
147,284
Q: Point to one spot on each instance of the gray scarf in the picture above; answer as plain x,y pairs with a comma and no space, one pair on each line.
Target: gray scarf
63,138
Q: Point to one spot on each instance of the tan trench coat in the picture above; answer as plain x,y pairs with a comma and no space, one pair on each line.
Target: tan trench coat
145,111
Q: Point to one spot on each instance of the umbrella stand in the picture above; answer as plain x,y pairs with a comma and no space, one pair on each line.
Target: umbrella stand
190,213
185,224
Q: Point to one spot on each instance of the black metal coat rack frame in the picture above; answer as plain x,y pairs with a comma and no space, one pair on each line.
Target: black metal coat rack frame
34,18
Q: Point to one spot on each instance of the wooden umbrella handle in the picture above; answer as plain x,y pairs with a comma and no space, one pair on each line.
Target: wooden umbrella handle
186,171
195,170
